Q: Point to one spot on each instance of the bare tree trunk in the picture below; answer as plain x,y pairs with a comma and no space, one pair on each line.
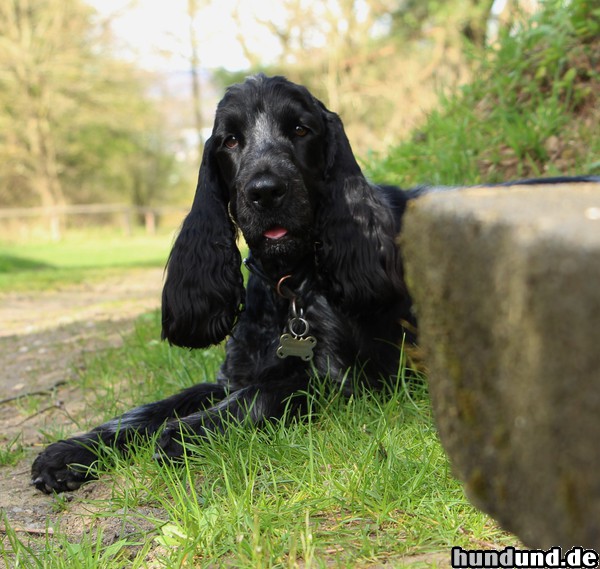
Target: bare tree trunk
332,78
37,137
194,68
45,175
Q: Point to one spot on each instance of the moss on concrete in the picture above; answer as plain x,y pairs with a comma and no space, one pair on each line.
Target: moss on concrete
507,289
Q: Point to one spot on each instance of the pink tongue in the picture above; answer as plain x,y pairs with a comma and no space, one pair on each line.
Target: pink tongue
275,233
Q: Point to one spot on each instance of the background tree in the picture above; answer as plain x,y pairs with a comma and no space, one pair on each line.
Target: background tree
74,119
192,12
381,64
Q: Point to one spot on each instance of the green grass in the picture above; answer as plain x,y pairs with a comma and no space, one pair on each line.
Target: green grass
531,110
360,481
11,450
79,257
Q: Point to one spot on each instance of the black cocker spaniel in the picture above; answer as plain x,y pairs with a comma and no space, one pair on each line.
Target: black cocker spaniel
325,295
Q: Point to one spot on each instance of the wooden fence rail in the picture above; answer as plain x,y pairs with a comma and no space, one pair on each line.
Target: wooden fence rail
56,217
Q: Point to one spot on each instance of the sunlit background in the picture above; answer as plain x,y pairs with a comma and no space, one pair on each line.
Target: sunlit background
110,101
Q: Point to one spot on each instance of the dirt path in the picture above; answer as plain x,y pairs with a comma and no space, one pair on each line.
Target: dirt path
43,338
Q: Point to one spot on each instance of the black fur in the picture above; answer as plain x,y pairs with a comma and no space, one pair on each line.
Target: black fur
277,160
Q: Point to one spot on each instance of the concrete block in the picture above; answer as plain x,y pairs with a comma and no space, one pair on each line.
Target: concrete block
506,285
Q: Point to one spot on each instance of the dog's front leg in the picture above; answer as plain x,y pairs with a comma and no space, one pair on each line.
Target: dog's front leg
65,465
250,405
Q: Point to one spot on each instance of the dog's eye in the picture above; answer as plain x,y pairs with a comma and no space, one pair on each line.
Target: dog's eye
231,142
300,130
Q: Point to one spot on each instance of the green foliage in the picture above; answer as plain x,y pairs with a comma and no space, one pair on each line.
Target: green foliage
413,19
76,123
585,18
530,111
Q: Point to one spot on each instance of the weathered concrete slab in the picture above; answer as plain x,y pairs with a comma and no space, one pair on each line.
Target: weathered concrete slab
507,290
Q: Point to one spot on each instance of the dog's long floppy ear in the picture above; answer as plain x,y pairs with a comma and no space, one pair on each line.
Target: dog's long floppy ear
204,287
357,229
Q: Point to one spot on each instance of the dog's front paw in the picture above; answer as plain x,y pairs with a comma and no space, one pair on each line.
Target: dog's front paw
169,445
62,466
175,435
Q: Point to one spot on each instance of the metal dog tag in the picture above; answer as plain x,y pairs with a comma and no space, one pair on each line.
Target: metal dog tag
295,346
297,343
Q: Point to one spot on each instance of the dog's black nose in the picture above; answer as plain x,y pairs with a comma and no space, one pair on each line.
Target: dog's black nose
266,191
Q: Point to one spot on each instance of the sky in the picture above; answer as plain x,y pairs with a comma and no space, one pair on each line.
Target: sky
149,29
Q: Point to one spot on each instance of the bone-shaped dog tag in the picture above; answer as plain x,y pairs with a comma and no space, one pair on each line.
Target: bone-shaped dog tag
302,348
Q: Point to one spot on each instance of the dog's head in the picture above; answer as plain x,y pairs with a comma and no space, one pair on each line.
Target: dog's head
277,160
271,141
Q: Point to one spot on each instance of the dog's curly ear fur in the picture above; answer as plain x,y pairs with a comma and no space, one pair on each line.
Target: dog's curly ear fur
204,289
356,228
